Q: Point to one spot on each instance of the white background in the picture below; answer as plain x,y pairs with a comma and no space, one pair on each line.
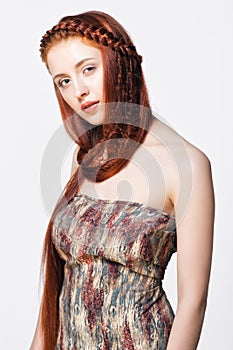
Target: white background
187,60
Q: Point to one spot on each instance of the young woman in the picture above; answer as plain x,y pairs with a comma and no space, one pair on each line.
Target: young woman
105,255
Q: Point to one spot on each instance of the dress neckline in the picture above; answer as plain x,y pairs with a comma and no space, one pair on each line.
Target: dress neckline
112,201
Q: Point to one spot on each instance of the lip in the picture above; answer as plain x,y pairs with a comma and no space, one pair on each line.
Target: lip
89,106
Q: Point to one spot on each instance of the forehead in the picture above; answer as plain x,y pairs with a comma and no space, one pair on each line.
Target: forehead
68,52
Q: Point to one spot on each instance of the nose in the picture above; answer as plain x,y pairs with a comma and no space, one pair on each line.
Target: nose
81,89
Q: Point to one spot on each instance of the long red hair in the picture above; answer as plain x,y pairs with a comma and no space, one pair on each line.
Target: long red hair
128,117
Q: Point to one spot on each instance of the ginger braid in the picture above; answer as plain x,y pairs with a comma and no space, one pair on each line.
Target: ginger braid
101,36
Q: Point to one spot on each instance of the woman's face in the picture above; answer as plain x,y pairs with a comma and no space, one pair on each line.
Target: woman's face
77,71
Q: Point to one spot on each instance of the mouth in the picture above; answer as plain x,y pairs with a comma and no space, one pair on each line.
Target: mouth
89,107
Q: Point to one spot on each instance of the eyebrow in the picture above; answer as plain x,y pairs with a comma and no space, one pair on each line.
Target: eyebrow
76,66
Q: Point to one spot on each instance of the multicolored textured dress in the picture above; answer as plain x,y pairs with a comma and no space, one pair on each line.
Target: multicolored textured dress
116,253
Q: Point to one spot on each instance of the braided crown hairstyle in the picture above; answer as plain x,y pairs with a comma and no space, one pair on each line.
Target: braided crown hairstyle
128,117
95,27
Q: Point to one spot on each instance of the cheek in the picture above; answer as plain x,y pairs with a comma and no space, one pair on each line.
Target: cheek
98,82
67,96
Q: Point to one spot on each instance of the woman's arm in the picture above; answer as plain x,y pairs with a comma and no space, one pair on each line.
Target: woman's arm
194,254
37,343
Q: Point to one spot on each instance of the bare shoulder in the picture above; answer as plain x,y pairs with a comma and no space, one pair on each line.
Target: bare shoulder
171,144
197,157
183,164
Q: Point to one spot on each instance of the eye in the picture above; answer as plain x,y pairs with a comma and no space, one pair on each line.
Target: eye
63,82
88,70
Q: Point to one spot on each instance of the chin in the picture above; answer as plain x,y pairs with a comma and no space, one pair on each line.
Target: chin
94,121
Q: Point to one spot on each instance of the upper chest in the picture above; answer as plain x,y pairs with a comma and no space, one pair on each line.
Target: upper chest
145,179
